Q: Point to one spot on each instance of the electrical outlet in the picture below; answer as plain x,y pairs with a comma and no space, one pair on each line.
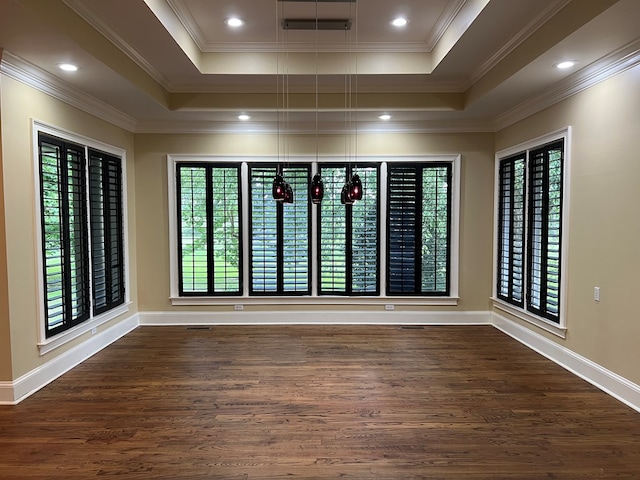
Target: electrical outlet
389,307
94,330
238,306
596,294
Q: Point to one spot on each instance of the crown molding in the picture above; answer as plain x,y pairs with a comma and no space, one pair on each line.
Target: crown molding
616,62
445,20
538,21
24,72
92,18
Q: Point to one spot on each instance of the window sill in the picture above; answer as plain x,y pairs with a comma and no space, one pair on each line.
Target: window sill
323,300
52,343
539,322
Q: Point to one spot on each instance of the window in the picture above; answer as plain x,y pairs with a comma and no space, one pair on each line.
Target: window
280,233
348,234
107,247
81,232
511,227
530,217
229,237
209,234
419,225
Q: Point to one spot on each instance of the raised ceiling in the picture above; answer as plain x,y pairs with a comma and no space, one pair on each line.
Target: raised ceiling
175,66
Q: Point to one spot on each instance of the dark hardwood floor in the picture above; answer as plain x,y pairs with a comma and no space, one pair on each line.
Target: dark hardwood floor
319,402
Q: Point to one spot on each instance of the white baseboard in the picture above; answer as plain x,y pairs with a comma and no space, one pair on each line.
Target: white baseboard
618,387
319,317
14,392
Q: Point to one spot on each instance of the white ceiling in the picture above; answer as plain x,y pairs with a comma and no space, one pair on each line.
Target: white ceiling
174,65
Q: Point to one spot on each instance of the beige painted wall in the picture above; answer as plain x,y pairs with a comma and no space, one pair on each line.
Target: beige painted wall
5,329
604,232
476,200
21,104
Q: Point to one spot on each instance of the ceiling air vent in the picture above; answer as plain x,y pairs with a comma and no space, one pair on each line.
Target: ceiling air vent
310,24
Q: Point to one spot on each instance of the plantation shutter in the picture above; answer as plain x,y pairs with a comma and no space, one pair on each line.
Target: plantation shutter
279,233
435,224
544,236
403,237
348,234
364,234
419,224
296,233
511,231
209,229
107,238
64,234
333,233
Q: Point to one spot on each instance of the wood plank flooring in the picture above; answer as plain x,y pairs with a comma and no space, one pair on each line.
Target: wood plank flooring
359,402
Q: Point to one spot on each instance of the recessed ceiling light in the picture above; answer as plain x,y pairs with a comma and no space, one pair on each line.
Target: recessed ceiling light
399,22
234,21
384,116
566,64
244,117
68,67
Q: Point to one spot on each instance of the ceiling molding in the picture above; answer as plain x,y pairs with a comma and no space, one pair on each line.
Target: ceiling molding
617,62
444,22
32,76
537,22
93,19
183,15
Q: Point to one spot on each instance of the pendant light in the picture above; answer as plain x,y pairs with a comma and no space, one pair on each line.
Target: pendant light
288,193
345,194
279,187
316,189
353,188
356,187
281,190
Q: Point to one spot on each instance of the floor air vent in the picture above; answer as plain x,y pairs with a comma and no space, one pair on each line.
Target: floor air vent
412,327
198,328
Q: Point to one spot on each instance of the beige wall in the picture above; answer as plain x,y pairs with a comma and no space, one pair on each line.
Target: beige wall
21,104
476,199
604,233
5,330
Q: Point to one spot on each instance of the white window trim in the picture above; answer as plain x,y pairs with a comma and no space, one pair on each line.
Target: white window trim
560,328
314,298
46,345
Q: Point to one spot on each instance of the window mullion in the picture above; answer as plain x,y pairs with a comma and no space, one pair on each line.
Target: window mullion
211,274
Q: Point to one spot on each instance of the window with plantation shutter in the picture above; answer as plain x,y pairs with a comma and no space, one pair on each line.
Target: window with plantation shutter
82,238
511,228
544,236
107,239
280,233
530,209
303,249
418,226
209,229
64,234
348,234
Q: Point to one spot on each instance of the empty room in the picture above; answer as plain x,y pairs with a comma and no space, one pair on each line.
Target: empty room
360,239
